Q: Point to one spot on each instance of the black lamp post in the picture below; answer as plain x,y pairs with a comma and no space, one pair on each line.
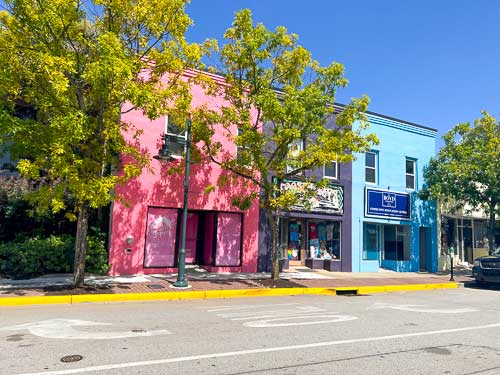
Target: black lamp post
165,155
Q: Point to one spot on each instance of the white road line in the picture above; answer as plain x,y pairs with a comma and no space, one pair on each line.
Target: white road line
237,307
258,351
264,316
420,308
318,319
252,313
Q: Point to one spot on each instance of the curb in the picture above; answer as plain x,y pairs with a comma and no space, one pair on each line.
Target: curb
234,293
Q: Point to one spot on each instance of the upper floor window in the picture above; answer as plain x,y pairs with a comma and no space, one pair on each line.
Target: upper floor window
331,170
371,167
410,174
176,136
294,150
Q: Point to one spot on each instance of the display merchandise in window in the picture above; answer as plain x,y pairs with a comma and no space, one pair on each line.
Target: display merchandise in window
324,239
293,250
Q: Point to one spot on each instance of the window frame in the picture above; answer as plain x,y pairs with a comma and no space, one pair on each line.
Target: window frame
375,168
239,132
402,233
336,178
378,253
177,135
414,174
301,144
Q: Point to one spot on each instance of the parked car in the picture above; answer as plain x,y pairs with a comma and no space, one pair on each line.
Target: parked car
487,269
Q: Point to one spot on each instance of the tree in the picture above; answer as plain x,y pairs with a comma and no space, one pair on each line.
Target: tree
467,168
79,65
271,106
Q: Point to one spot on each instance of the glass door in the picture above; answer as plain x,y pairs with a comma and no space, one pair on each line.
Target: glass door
371,242
468,241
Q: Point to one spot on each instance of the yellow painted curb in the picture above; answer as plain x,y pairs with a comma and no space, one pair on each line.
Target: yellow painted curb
321,291
232,293
156,296
404,288
34,300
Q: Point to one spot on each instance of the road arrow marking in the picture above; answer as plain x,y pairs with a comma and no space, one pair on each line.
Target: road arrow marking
246,353
63,329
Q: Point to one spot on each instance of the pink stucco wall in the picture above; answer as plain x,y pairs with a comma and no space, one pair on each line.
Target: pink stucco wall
159,189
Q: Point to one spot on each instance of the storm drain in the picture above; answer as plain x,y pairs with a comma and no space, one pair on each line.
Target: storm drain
346,292
155,286
71,358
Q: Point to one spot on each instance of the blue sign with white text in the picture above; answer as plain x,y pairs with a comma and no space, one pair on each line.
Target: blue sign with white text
387,204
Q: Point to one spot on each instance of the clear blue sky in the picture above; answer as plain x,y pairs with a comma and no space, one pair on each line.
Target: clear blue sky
432,62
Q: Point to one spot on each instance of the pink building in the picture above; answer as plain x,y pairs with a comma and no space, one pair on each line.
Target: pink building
145,231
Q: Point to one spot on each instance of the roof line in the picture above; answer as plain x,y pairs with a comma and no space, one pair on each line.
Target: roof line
219,76
392,118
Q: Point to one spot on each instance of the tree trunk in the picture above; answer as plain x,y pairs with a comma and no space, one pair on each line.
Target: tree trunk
273,220
491,228
82,227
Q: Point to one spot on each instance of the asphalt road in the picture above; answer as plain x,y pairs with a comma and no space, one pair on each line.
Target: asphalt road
435,332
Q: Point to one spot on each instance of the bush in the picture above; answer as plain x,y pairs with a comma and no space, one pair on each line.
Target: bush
96,259
37,256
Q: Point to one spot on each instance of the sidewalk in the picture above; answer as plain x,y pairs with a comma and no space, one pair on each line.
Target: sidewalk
199,280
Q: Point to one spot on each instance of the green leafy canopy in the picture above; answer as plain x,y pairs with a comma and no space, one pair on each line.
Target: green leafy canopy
467,167
79,65
277,95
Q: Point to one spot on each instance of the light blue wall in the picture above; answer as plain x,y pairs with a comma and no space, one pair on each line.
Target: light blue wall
398,141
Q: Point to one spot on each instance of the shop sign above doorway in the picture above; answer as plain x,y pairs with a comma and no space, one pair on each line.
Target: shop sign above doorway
329,199
387,204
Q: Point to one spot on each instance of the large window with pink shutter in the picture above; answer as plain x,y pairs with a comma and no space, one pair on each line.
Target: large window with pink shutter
160,237
228,244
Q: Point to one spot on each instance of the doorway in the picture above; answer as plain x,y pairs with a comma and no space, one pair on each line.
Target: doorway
423,240
465,241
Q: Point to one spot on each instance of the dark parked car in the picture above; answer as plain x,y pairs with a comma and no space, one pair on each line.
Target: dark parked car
487,269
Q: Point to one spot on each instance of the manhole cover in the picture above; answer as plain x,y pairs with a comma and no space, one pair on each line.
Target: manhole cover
72,358
155,286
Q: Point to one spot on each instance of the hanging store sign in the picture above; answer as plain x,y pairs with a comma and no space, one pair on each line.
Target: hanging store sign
387,204
328,199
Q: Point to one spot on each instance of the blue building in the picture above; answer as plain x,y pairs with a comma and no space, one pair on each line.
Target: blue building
392,227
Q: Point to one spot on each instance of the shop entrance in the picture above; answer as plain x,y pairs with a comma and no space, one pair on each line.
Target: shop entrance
292,239
465,240
213,238
424,238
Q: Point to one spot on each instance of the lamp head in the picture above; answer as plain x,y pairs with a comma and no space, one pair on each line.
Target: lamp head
170,143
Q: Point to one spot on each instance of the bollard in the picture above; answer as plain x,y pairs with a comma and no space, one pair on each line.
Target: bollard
452,253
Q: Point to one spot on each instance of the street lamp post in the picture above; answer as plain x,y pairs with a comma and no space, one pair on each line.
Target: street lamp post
164,155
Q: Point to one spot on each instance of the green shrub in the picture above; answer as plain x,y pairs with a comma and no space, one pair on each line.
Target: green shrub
37,256
96,259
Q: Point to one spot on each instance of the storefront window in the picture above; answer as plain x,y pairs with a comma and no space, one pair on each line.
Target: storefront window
397,242
302,238
371,242
481,234
324,239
